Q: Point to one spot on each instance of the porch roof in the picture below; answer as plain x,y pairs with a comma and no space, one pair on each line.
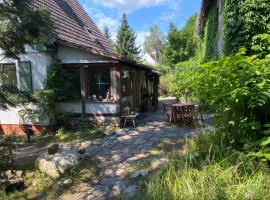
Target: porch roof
116,62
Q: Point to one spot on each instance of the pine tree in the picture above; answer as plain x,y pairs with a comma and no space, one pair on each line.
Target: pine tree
125,42
107,34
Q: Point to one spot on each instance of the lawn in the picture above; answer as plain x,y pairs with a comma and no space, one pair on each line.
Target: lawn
63,136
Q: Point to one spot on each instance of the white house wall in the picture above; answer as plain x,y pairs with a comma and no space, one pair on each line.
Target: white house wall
39,63
69,55
90,108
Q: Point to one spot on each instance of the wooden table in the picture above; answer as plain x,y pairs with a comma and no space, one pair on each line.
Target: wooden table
130,118
179,106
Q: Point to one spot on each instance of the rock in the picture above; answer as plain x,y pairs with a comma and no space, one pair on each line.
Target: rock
53,149
140,173
59,163
106,132
118,189
65,183
108,181
19,173
81,150
11,181
156,163
99,192
130,192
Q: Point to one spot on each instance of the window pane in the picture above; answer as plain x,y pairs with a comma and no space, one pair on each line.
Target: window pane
8,75
99,83
104,76
93,76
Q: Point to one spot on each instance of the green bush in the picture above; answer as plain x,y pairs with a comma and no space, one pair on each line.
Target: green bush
236,89
7,147
210,169
164,86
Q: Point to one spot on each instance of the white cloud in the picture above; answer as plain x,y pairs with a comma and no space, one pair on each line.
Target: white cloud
141,37
101,20
128,6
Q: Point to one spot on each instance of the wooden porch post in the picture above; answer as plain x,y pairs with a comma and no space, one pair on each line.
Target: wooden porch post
83,90
116,91
156,83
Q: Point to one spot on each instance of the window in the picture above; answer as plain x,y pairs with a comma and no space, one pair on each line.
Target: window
99,84
8,75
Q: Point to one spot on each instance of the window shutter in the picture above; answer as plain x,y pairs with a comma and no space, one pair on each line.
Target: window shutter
26,76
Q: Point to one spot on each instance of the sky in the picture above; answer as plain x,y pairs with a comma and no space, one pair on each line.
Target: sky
141,14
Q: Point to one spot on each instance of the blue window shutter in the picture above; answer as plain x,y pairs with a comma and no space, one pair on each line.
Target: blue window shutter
26,76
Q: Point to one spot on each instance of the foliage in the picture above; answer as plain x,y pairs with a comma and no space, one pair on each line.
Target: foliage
10,97
154,42
64,82
244,19
181,44
261,44
236,88
21,25
7,147
107,34
210,46
125,44
208,168
40,110
164,86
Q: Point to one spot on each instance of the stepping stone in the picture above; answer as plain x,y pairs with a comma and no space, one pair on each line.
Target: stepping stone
108,181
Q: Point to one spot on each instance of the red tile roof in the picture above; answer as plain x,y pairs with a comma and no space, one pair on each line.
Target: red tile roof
74,27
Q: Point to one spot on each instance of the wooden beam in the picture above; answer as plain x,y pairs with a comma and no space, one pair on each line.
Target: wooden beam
115,83
83,90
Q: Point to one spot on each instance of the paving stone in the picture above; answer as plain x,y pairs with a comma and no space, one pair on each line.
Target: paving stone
108,181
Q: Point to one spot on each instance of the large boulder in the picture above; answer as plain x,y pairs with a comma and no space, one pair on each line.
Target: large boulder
57,164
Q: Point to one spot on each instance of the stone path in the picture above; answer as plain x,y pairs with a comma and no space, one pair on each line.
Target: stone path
127,148
119,153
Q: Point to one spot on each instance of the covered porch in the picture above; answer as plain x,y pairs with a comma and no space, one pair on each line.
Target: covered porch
107,87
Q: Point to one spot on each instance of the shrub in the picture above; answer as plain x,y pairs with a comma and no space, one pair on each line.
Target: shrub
164,87
7,148
236,89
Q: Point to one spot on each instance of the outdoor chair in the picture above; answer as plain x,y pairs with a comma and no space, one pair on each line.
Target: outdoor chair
185,115
167,110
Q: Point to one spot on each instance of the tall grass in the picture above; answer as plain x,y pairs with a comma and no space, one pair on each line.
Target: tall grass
210,168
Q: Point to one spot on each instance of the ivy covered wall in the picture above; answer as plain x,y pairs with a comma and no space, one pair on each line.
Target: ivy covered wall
245,22
210,39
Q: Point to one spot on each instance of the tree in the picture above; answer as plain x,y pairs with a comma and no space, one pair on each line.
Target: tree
107,34
125,41
181,44
153,42
21,25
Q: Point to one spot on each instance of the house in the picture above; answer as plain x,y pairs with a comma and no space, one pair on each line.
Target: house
106,83
151,58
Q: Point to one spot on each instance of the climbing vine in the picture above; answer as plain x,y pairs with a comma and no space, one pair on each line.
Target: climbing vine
210,51
244,19
64,82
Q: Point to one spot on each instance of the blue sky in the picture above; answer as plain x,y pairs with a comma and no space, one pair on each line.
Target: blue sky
141,14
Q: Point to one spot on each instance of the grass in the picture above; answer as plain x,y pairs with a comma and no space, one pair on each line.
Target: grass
40,186
209,167
62,136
